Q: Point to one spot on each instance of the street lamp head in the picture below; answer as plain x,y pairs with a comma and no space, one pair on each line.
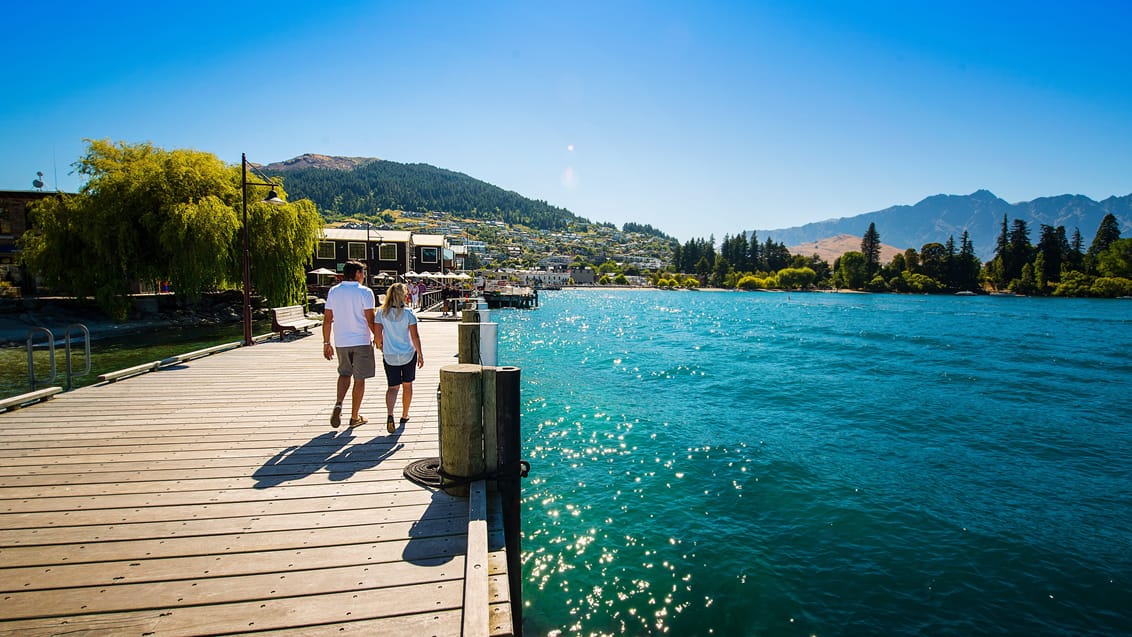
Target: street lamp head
273,198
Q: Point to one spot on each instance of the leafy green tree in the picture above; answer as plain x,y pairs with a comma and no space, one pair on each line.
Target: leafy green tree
1074,283
1027,283
911,260
1111,287
933,256
852,271
877,284
750,282
620,279
795,278
898,283
921,283
283,238
609,267
1040,273
1116,259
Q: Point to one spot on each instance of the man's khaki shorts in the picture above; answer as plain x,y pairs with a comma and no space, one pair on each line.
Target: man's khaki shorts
358,362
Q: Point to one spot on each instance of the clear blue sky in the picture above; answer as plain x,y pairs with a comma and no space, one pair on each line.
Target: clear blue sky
697,117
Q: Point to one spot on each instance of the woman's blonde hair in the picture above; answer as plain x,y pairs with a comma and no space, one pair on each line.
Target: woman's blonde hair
394,299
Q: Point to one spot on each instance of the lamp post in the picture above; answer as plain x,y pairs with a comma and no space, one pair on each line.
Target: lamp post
273,199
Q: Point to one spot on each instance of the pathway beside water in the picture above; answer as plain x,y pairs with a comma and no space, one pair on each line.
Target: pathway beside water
213,498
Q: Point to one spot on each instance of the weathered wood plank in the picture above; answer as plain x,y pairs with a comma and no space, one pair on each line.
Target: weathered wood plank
476,616
410,502
265,614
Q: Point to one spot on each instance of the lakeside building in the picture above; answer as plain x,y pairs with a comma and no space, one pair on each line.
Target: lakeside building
388,254
14,223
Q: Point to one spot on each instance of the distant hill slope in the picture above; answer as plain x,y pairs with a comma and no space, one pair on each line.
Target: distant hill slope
352,186
936,218
831,248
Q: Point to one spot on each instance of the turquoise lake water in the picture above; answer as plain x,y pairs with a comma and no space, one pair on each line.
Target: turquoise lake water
724,463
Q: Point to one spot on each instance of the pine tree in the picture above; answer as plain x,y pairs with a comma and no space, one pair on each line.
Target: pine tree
870,247
1108,232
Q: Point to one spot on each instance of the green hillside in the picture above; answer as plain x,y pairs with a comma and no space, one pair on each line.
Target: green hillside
372,186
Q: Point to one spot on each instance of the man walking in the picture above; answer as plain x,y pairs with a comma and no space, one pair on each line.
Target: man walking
349,313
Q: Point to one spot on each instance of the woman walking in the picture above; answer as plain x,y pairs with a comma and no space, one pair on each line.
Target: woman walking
396,335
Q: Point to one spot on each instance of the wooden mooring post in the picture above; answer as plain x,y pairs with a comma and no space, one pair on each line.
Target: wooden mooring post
480,435
461,426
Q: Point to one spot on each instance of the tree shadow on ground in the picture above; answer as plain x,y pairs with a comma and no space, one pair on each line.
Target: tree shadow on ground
294,463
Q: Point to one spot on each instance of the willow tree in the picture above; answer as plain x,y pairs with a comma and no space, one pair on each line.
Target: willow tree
146,214
283,240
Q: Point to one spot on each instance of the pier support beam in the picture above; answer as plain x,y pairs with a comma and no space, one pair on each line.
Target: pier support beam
507,406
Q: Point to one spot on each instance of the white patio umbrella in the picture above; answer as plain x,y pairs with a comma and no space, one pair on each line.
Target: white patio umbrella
323,271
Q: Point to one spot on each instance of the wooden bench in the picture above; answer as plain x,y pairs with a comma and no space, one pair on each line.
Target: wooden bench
291,319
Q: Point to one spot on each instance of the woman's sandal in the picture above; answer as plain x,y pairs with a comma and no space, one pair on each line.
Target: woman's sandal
358,422
389,424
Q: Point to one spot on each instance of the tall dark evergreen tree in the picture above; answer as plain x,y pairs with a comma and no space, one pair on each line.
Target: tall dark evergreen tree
998,265
951,263
777,256
754,256
1075,256
870,247
1019,251
968,277
1051,250
1107,232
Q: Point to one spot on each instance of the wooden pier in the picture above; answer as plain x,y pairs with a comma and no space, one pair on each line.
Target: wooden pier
524,299
213,498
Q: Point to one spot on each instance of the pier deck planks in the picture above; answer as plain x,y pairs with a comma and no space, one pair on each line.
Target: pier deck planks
212,497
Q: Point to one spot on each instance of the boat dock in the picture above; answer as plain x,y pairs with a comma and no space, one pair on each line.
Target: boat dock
211,497
523,298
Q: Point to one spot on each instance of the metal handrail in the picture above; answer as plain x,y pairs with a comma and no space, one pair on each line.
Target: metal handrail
31,358
86,342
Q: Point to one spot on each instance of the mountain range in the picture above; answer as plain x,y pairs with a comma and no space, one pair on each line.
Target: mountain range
350,186
980,213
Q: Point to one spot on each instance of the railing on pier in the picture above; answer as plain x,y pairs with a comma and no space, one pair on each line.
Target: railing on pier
32,381
43,393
